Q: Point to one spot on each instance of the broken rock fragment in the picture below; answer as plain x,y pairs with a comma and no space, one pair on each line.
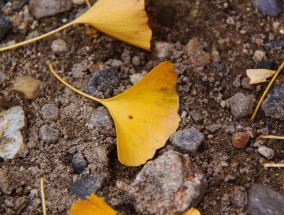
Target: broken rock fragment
12,121
169,184
27,87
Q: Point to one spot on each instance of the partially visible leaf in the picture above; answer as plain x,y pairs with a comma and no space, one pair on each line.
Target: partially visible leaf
192,211
257,76
125,20
94,205
145,115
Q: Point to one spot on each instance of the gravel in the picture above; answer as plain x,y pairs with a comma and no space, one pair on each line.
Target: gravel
50,112
43,8
266,152
270,8
241,105
100,118
27,87
59,46
12,122
78,163
265,201
5,27
187,140
240,139
273,105
87,185
48,134
167,185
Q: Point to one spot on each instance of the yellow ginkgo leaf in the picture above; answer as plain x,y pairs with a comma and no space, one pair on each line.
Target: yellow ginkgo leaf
145,115
192,211
257,76
125,20
93,206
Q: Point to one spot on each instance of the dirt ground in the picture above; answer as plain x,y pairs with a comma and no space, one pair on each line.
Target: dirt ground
230,27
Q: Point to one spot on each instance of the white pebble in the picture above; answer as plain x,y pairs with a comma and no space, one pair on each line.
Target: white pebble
59,46
266,152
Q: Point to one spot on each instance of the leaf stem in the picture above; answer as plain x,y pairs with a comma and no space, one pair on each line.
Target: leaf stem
266,91
71,87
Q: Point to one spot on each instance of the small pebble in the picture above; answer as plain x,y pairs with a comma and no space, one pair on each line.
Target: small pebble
273,105
134,78
265,201
87,186
196,55
59,46
259,55
270,8
136,61
266,152
5,27
27,87
104,80
163,50
170,184
101,118
12,121
78,163
50,112
241,105
49,134
240,139
274,45
188,140
43,8
196,115
2,77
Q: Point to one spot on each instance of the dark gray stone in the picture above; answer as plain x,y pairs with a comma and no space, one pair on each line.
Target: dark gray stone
268,7
273,105
169,184
265,201
105,81
5,27
87,185
48,134
188,140
78,163
50,112
241,105
44,8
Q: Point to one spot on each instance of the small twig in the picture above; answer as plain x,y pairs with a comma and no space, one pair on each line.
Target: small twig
88,3
271,137
266,91
42,196
265,165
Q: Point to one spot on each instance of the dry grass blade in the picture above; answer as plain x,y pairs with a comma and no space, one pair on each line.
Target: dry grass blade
42,196
271,137
266,91
266,165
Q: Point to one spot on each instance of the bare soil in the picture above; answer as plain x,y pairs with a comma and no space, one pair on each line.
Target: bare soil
228,170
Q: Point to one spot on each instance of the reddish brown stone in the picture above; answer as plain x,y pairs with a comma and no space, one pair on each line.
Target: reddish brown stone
240,139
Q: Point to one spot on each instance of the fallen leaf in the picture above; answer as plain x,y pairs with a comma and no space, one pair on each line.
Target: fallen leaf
257,76
145,115
125,20
192,211
94,205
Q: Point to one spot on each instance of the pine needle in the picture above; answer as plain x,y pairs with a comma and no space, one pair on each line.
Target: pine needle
265,165
266,91
271,137
42,196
